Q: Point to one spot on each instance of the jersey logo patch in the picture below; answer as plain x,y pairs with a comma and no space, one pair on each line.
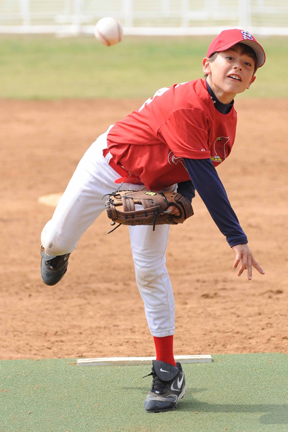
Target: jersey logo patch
221,151
173,160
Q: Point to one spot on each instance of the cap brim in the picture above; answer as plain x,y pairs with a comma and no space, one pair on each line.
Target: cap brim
260,54
259,51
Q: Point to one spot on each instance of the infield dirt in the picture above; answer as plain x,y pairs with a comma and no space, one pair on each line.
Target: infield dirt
96,309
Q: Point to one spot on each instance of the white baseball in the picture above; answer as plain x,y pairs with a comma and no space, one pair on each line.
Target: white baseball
108,31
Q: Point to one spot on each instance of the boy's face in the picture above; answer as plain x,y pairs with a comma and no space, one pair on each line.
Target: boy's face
231,72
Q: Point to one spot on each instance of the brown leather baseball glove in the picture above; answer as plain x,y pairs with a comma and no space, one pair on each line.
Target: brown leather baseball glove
121,207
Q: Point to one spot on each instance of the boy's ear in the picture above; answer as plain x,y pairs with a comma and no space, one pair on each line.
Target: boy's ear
251,81
206,65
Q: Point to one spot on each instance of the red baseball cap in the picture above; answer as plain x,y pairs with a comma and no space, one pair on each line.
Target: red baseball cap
227,38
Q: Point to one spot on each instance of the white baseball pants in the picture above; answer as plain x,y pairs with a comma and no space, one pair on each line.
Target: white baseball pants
80,206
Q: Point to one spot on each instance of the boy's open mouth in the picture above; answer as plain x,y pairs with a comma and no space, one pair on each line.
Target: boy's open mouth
234,77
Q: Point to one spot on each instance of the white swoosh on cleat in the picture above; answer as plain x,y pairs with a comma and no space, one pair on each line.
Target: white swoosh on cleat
179,384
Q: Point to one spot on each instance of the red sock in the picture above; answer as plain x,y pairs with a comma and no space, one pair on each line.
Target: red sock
164,349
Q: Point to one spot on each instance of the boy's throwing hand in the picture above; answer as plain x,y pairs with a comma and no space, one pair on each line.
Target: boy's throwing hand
245,257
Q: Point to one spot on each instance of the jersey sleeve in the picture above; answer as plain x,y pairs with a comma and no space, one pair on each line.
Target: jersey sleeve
211,190
187,189
185,133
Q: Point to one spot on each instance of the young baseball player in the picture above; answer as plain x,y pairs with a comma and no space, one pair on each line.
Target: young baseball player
172,142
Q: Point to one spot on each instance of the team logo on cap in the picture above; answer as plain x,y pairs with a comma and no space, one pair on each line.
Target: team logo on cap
246,35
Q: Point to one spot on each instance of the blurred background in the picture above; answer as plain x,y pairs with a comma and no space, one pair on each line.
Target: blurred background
145,17
51,49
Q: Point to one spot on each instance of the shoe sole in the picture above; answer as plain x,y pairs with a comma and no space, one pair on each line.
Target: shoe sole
181,396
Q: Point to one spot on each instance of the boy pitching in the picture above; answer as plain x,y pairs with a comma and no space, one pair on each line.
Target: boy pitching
173,142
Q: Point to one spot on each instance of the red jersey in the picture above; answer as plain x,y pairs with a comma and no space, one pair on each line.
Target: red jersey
178,122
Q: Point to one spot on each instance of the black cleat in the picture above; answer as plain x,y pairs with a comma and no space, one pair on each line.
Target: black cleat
168,386
53,268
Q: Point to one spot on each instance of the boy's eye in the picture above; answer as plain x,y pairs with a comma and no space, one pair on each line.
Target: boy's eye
229,57
248,64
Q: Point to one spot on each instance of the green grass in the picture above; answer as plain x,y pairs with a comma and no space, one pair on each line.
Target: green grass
235,393
45,67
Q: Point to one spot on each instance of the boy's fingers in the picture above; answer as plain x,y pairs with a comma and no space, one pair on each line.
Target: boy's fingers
173,210
244,265
249,275
237,260
242,268
245,258
257,267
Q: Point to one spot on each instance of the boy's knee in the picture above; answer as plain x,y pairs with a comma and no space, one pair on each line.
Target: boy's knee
54,248
146,276
53,243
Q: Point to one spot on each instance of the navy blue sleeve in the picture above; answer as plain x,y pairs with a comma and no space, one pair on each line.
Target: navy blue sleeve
186,189
211,190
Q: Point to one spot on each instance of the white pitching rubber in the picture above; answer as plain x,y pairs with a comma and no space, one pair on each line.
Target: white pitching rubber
117,361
